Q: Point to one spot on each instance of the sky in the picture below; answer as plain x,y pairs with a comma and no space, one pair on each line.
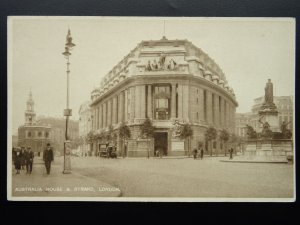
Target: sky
248,50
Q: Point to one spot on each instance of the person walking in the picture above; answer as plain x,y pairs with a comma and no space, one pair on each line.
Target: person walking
17,161
195,152
22,157
230,153
201,153
48,157
29,160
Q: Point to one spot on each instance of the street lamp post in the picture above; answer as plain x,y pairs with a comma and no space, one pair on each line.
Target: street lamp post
67,112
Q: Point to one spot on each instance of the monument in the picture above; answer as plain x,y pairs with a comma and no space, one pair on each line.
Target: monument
268,112
268,144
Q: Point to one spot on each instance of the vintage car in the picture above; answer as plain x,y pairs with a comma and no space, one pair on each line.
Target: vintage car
102,150
111,152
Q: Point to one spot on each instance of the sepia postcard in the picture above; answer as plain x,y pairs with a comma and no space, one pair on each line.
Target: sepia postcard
167,109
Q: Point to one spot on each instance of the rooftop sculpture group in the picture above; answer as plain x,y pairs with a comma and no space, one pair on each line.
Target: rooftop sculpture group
161,64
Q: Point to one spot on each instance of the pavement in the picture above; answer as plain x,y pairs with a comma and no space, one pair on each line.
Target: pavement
57,184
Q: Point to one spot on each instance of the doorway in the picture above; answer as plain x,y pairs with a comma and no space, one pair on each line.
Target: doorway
161,143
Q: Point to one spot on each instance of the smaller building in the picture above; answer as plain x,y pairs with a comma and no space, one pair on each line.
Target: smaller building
85,125
32,134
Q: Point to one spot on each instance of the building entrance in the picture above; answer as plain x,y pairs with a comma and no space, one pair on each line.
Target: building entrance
161,143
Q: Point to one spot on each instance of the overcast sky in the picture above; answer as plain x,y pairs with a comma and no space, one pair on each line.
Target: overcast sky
249,51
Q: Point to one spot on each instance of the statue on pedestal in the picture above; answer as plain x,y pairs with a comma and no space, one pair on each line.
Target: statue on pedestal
268,104
269,92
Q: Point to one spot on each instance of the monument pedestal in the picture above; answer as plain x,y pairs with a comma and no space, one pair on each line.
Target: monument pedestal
250,151
266,151
177,148
273,121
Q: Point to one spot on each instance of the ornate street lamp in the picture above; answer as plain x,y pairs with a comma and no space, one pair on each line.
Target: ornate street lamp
67,112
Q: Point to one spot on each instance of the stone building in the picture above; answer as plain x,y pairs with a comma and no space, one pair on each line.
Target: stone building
85,123
31,133
166,81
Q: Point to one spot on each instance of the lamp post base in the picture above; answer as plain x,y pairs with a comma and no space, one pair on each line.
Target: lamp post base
67,157
66,171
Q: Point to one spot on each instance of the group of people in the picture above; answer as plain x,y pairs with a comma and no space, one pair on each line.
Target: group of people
24,157
201,151
195,153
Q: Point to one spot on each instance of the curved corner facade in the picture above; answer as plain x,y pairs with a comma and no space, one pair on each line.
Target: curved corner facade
166,81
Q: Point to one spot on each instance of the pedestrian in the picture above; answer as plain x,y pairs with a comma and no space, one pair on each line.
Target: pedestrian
157,153
195,152
230,153
17,161
48,157
29,160
201,153
22,157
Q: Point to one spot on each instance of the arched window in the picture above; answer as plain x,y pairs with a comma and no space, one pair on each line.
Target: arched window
39,134
29,134
47,134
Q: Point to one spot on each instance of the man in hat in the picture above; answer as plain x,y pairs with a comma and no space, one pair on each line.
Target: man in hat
48,157
29,160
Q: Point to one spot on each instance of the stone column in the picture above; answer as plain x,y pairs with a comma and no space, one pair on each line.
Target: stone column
180,101
137,101
143,101
216,110
105,115
126,105
226,114
100,116
122,106
201,104
149,102
108,116
119,107
173,101
209,107
97,118
115,110
233,118
94,118
185,104
222,112
132,104
229,117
